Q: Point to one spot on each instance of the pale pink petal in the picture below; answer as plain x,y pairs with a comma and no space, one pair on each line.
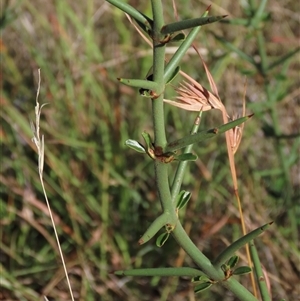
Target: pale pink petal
212,83
196,106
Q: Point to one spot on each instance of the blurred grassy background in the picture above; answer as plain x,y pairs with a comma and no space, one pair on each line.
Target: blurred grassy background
103,194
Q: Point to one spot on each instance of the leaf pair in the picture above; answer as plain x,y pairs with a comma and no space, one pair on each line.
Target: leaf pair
156,153
181,200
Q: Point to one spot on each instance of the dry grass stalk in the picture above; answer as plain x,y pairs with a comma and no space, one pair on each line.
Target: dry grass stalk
39,142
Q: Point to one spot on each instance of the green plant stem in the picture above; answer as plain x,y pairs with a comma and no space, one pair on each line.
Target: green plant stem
198,257
190,23
259,13
158,73
174,61
160,141
131,11
205,265
239,290
203,135
230,250
139,83
259,273
178,178
161,172
163,272
164,190
155,226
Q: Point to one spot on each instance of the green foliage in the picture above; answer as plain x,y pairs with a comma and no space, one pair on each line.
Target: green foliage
187,24
135,146
242,270
201,287
233,261
182,199
231,249
161,239
102,194
186,157
206,134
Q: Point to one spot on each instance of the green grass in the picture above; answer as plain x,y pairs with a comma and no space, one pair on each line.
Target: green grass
102,193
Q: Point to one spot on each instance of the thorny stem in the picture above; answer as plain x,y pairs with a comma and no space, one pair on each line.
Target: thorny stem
161,169
205,265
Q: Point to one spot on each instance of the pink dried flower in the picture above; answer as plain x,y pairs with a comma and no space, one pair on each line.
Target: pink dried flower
192,96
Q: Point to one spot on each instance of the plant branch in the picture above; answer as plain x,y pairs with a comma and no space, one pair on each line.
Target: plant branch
131,11
162,272
259,273
230,250
174,61
190,23
176,185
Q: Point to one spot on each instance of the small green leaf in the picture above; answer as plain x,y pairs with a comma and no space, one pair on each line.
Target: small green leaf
149,148
233,261
161,239
135,145
202,278
225,268
242,270
179,197
179,37
183,198
186,157
201,287
147,139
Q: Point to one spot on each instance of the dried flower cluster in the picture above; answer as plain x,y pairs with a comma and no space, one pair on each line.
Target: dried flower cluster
192,96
